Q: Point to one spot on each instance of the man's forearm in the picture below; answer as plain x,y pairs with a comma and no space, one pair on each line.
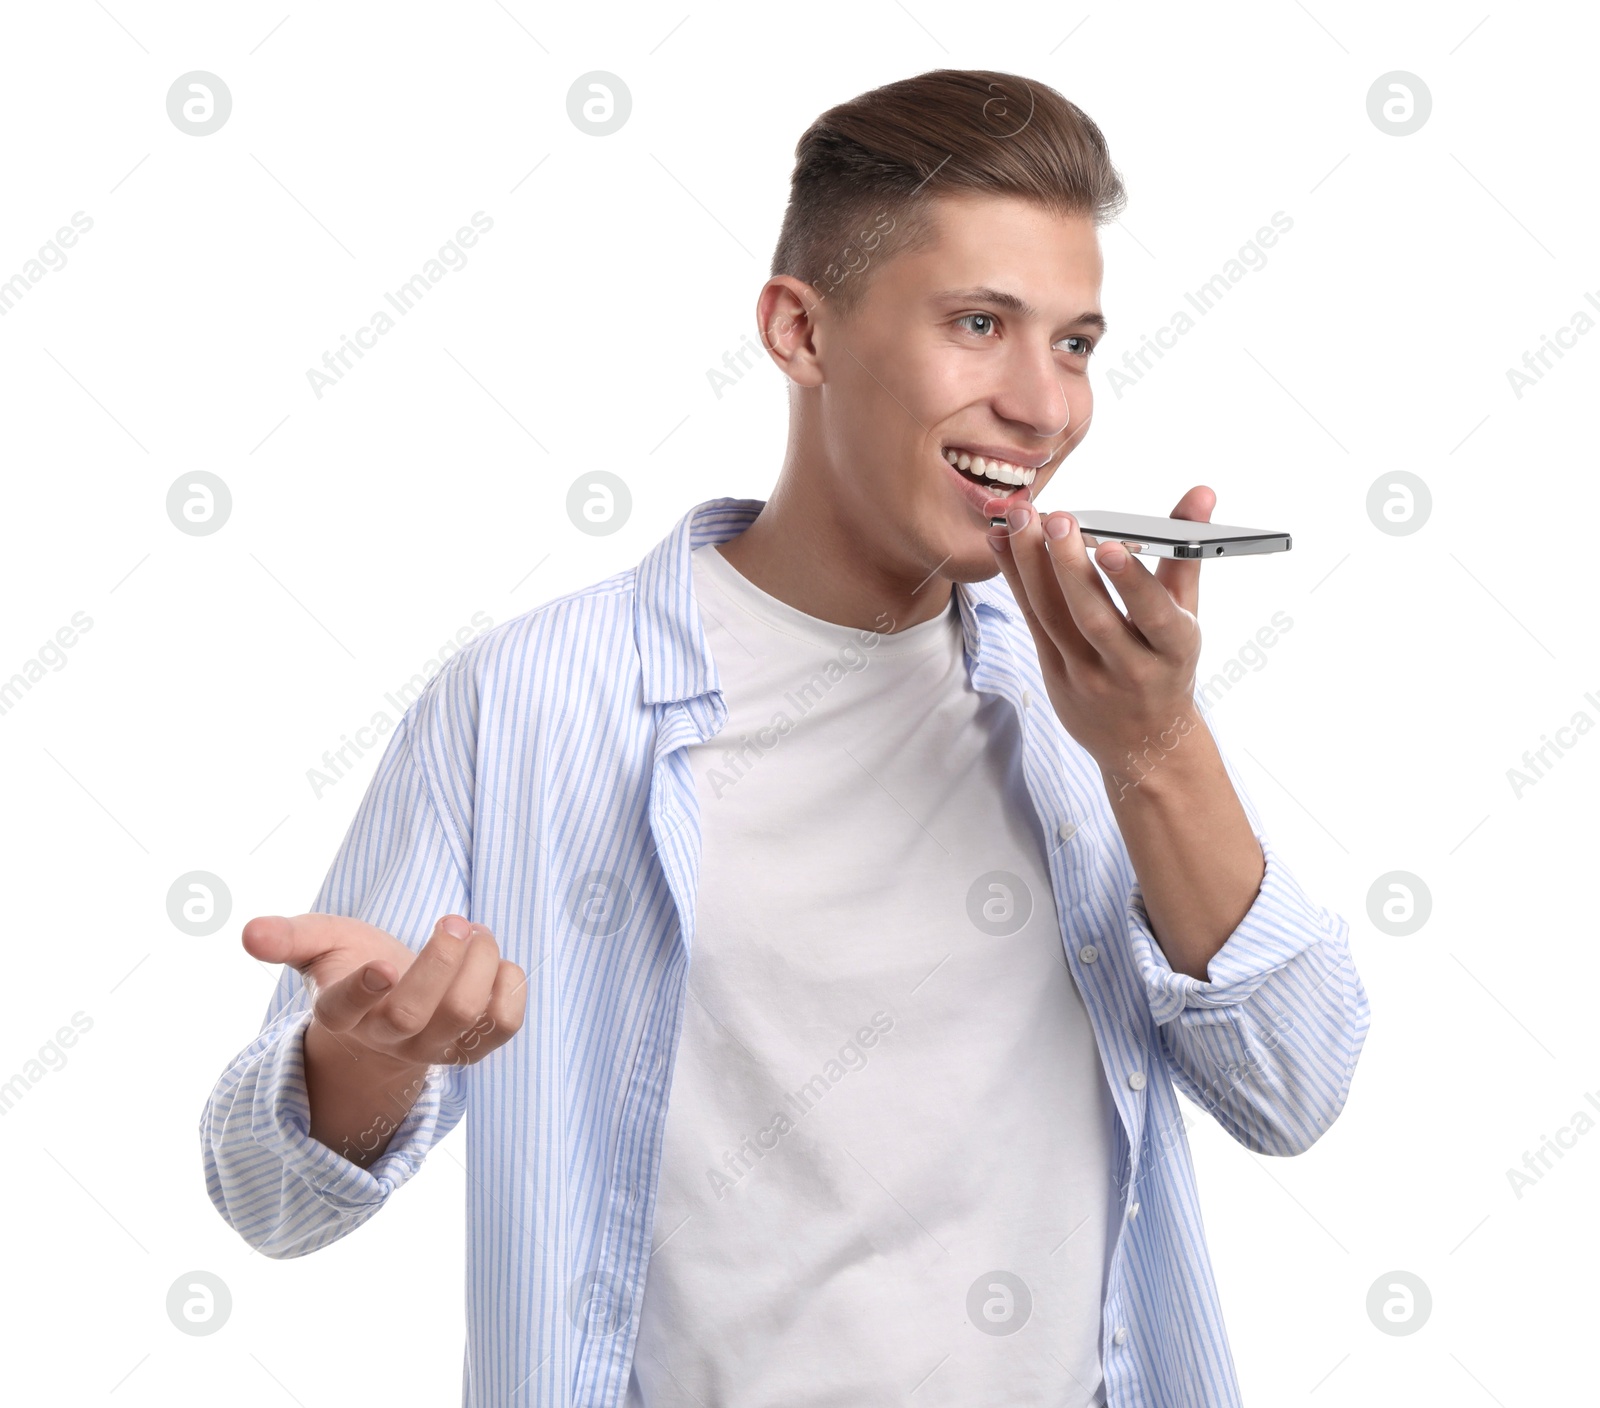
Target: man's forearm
356,1104
1196,856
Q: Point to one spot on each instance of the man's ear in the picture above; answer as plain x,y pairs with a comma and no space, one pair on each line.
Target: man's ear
788,330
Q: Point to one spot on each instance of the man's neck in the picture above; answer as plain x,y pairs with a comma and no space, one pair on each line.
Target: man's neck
816,567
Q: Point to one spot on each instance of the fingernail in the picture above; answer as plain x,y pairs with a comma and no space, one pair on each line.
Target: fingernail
1057,527
1115,559
1018,518
456,928
374,981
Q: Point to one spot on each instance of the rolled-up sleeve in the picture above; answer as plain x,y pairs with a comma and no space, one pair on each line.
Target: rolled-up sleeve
399,867
1269,1044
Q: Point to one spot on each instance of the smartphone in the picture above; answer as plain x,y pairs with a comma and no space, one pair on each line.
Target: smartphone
1176,537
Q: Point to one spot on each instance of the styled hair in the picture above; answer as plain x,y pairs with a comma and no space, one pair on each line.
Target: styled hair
867,172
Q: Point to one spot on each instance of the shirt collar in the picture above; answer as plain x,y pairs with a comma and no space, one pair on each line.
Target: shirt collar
673,652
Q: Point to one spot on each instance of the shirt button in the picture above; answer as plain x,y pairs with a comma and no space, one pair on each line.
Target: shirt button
1136,1080
1133,1209
1027,699
1121,1335
1088,953
1067,830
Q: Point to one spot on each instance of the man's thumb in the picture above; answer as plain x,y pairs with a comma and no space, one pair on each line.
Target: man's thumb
267,937
347,1001
299,942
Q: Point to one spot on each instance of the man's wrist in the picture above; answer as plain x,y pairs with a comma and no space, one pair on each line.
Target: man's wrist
353,1065
1169,763
358,1097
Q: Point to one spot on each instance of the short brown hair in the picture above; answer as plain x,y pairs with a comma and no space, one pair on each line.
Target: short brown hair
867,171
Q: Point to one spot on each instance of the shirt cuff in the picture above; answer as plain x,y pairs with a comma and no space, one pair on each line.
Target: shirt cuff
1281,923
281,1122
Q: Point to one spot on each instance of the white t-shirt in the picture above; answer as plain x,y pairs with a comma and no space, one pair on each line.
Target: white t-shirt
888,1147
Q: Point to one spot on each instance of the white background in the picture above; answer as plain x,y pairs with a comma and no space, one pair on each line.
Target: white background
369,525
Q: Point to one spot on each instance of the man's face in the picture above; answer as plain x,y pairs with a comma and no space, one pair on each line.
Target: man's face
924,364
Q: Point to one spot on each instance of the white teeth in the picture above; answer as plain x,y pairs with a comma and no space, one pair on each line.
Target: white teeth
998,470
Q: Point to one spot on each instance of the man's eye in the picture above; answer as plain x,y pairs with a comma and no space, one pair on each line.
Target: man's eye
1085,344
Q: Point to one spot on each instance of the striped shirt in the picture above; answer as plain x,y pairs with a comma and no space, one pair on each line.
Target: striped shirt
539,786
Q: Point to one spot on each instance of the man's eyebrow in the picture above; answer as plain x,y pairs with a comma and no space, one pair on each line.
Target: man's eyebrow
1012,304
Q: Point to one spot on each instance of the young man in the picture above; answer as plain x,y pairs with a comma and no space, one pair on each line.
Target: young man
850,884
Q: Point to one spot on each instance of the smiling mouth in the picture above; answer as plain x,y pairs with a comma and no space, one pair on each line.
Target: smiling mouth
998,476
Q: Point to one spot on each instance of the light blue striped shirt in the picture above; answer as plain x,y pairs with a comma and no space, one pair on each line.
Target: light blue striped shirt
539,785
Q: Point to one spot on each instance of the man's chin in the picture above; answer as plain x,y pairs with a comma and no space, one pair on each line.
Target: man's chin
974,563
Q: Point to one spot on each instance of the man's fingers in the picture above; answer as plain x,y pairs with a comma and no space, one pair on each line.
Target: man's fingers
340,1005
410,1008
1181,576
502,1014
508,1002
452,1001
461,1029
